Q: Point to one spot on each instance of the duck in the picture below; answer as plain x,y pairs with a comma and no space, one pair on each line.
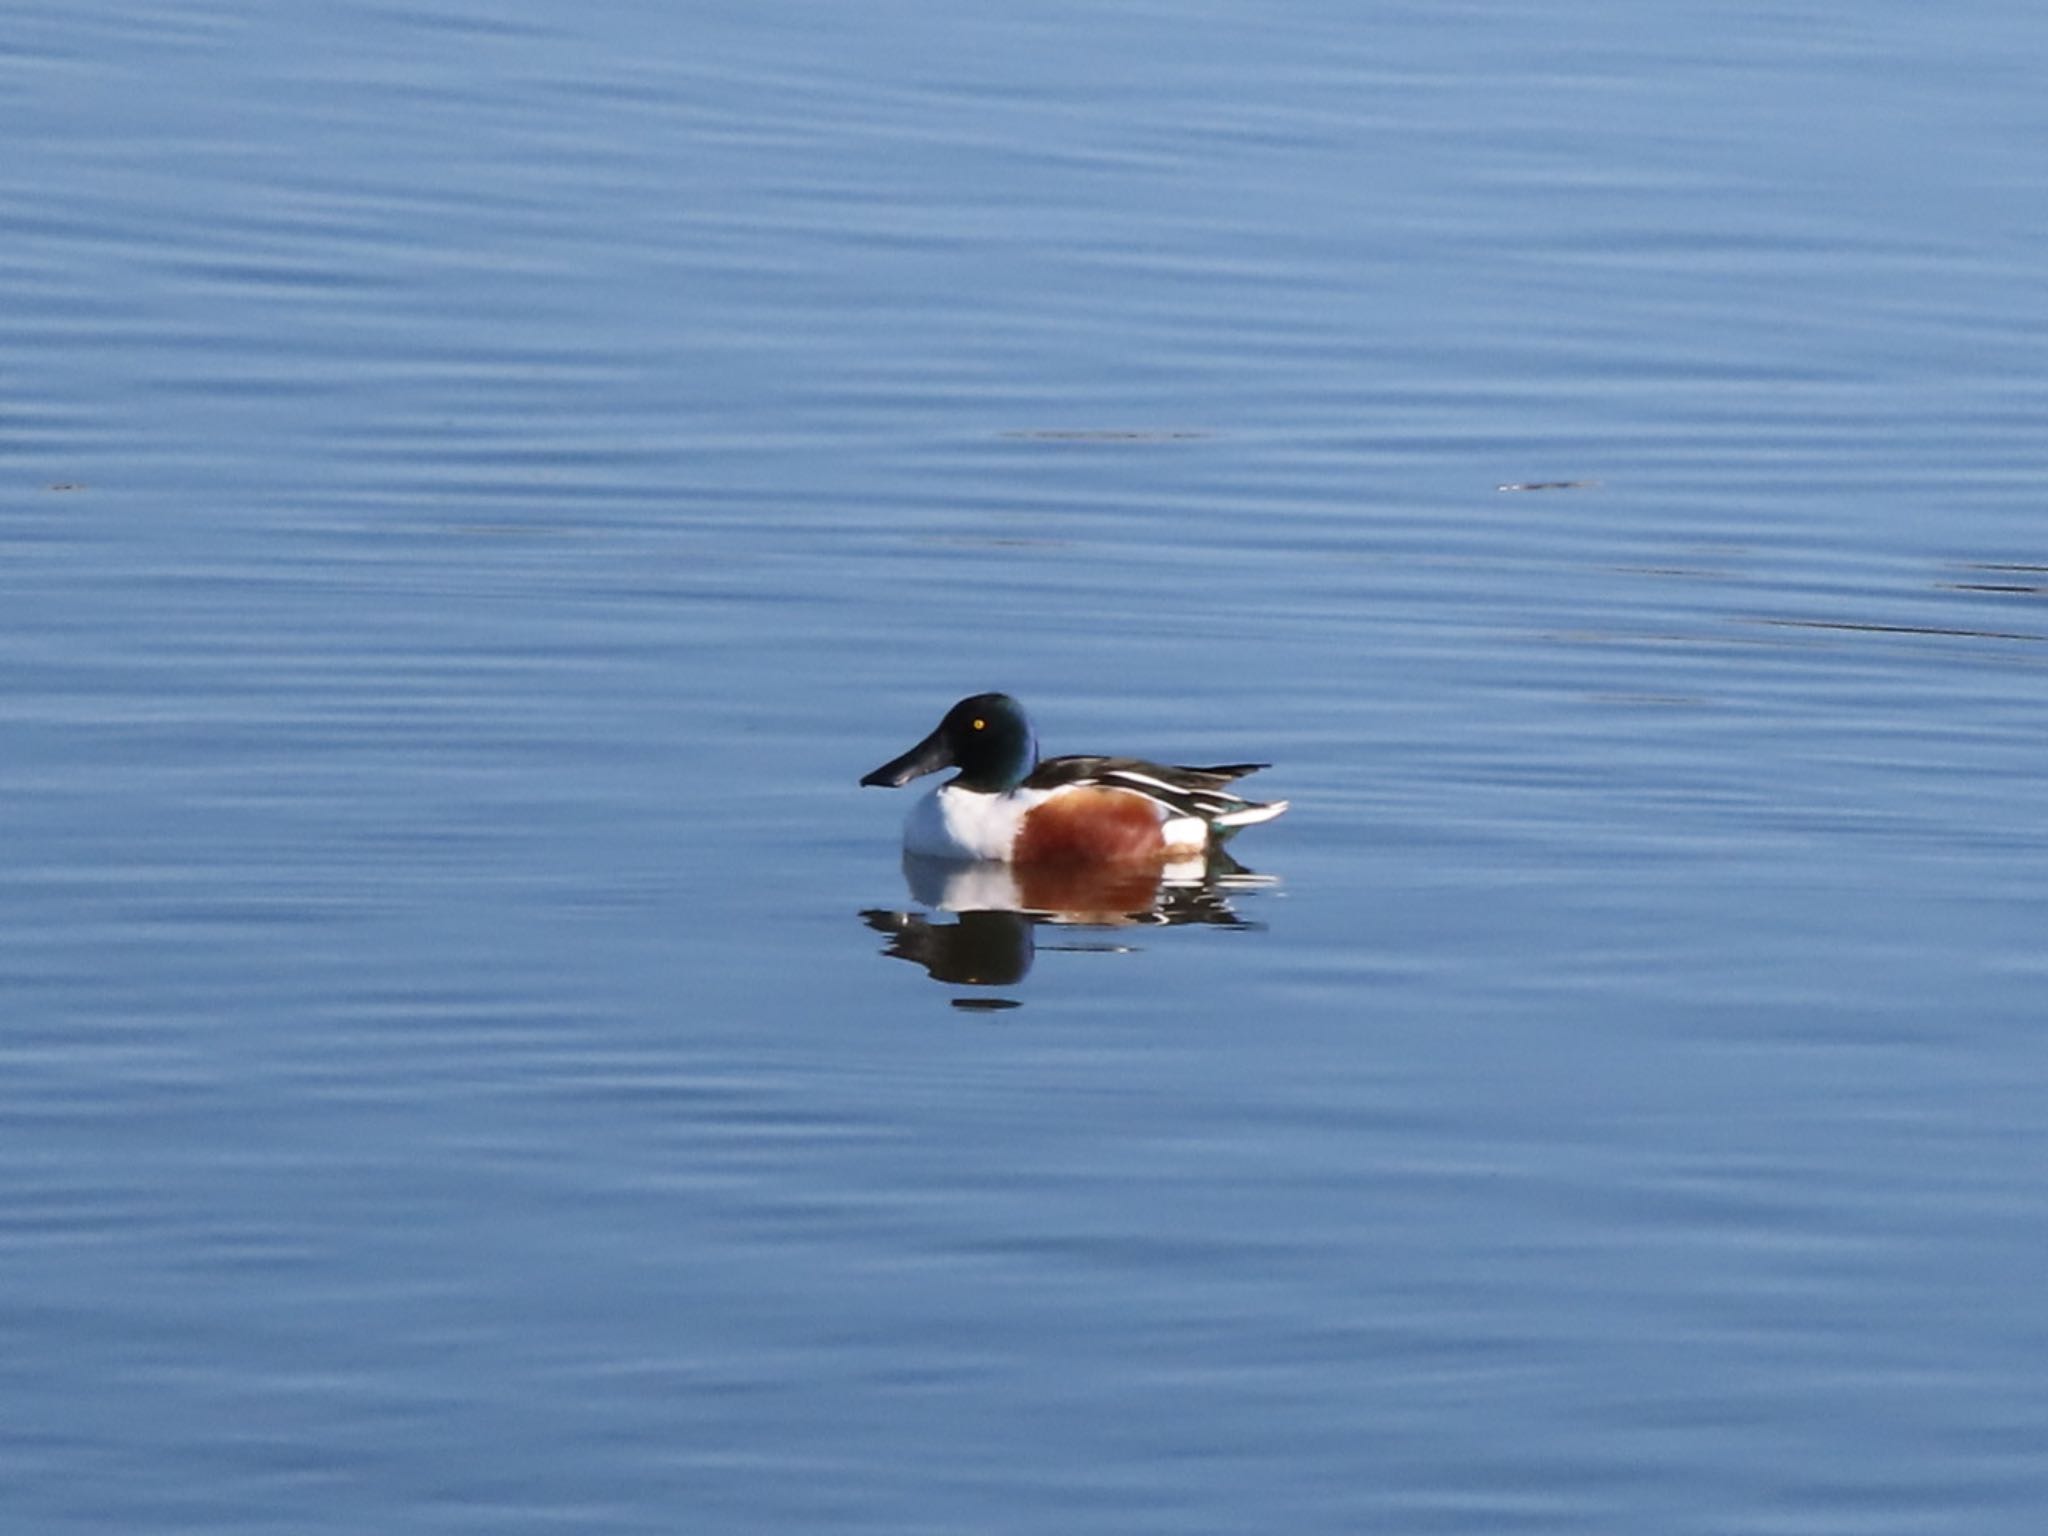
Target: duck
1007,805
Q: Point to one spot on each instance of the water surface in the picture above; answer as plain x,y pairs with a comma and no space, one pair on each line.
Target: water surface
478,484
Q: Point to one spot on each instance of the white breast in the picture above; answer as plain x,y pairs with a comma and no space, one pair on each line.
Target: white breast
954,823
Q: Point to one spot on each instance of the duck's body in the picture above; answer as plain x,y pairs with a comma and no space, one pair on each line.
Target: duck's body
1007,806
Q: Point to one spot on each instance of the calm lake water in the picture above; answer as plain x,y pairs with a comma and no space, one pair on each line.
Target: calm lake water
479,482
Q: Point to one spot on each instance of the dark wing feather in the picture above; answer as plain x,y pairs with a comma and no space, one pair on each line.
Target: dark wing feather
1188,791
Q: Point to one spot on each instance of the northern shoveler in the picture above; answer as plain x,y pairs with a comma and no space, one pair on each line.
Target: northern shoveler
1006,805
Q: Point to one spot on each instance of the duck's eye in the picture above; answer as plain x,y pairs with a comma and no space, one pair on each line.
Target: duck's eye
980,725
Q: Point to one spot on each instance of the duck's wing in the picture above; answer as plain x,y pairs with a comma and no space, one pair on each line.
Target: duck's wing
1185,791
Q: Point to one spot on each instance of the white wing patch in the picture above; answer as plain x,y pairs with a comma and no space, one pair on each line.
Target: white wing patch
1252,815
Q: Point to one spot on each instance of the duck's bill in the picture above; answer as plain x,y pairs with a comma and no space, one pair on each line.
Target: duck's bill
928,756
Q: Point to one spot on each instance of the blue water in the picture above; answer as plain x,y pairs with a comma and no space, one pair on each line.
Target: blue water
478,485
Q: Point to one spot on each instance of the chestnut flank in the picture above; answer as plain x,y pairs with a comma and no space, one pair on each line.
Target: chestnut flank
1090,825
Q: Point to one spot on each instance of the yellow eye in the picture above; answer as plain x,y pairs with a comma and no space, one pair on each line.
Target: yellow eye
980,725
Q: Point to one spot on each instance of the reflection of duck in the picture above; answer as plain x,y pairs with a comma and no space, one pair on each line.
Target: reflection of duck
1091,895
982,949
1006,805
991,943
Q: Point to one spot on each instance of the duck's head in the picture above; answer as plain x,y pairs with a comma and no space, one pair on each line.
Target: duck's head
986,737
